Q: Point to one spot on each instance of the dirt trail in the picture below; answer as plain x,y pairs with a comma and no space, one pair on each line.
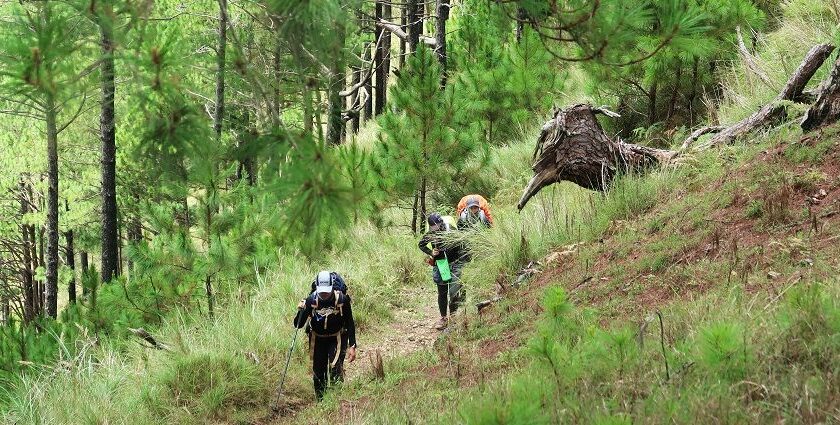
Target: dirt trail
411,330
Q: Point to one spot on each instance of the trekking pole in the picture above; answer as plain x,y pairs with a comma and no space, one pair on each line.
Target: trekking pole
288,361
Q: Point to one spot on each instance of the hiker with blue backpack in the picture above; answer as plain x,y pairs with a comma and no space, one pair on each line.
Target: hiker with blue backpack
328,315
446,259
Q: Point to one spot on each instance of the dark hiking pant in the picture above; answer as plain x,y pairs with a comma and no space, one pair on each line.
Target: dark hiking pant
450,295
323,353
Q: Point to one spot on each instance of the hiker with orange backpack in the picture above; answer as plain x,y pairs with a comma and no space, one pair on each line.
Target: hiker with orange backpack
446,258
474,211
332,331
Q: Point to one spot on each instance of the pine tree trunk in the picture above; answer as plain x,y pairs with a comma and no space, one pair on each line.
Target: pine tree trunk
404,27
385,74
415,212
440,37
208,284
41,263
70,261
423,212
694,78
135,231
381,68
415,24
354,106
335,123
219,111
4,311
51,289
26,270
107,126
308,114
368,110
83,257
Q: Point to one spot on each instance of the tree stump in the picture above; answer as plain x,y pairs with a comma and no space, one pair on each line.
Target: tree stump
572,146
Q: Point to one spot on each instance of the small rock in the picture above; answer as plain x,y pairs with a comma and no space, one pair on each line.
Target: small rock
773,275
411,338
807,262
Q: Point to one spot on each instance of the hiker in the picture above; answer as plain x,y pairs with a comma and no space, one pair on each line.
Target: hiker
332,331
473,211
443,253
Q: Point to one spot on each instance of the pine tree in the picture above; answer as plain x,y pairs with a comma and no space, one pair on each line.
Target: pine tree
41,69
429,139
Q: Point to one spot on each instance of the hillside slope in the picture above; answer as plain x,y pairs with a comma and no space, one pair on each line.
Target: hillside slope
737,252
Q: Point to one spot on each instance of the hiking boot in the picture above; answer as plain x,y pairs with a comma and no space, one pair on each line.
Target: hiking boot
441,324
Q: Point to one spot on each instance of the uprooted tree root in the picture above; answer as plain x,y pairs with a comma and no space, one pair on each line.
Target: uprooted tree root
573,147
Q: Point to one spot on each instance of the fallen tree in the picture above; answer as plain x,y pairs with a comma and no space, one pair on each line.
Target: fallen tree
775,111
573,147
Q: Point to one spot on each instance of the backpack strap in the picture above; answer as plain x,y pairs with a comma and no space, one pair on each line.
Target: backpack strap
339,302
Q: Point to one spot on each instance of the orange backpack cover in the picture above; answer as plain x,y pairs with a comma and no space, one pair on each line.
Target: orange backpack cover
482,203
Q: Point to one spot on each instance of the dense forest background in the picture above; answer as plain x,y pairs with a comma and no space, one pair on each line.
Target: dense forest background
176,166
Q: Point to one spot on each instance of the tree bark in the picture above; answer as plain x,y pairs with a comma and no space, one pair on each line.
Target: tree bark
368,87
70,261
385,70
83,258
221,48
404,26
354,104
51,288
107,126
415,24
26,270
573,147
335,123
826,108
415,213
423,212
41,263
440,37
381,85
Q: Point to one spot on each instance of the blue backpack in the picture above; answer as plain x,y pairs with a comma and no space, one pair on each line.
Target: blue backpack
337,281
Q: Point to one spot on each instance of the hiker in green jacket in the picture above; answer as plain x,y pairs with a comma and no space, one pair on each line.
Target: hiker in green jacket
441,252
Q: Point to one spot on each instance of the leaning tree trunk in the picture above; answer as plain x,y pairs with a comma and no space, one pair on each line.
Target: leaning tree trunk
573,147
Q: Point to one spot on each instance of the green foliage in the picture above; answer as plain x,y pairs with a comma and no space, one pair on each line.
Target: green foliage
723,350
428,137
669,86
508,82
